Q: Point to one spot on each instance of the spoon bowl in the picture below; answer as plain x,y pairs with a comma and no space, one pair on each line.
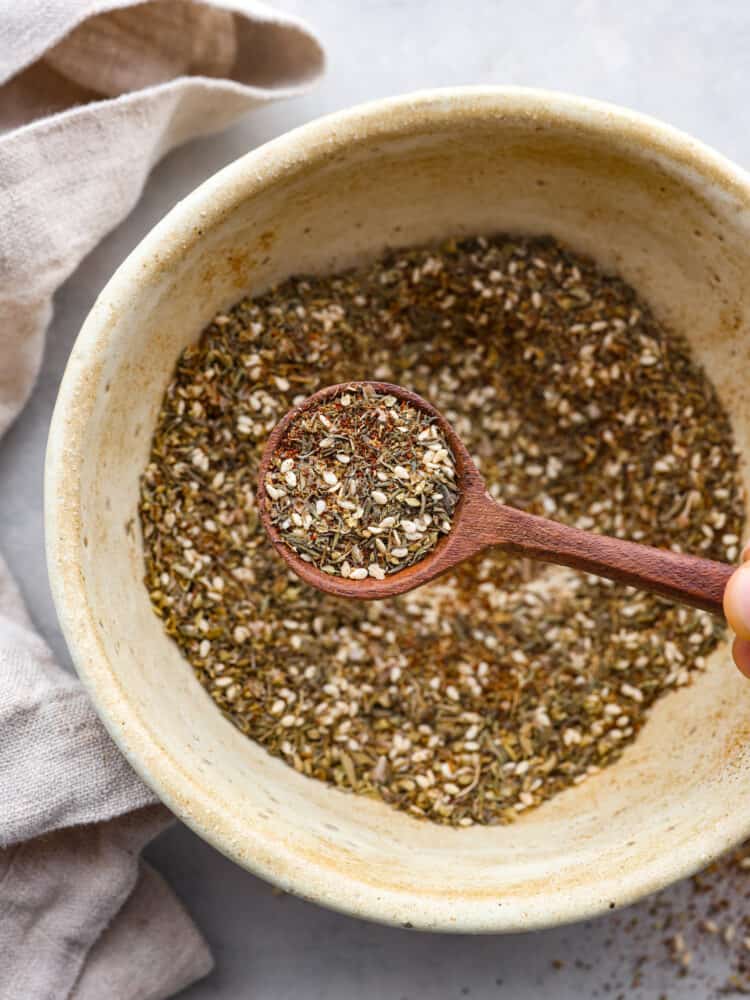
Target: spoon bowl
451,549
479,521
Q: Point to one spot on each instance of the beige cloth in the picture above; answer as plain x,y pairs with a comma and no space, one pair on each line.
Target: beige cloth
92,94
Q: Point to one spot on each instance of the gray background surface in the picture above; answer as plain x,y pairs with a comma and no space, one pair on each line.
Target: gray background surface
686,62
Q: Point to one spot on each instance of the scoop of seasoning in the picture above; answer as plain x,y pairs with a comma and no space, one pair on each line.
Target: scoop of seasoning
362,484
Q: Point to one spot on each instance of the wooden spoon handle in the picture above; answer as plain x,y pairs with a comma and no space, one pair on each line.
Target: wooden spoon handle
687,579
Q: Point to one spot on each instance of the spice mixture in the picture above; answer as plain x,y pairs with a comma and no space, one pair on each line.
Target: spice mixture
362,485
489,690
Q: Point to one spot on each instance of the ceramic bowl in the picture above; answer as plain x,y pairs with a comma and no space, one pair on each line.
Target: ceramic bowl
668,214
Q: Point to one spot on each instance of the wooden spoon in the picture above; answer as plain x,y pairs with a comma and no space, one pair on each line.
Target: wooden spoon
479,522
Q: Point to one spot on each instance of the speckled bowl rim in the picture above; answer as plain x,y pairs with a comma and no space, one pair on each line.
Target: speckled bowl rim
248,176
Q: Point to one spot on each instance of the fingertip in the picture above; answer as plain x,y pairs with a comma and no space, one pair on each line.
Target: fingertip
741,655
737,601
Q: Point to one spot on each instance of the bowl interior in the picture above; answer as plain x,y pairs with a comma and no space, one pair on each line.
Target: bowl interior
640,199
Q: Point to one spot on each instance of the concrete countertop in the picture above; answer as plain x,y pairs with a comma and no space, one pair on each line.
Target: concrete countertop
685,62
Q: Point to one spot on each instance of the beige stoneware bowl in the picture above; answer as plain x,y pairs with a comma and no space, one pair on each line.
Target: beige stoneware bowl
669,215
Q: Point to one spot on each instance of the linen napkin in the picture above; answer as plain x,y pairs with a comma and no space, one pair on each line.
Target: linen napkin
92,94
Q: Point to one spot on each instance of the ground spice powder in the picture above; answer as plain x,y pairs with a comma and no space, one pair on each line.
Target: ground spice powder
481,695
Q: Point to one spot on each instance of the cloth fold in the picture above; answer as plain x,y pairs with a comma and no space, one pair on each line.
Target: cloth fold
92,94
